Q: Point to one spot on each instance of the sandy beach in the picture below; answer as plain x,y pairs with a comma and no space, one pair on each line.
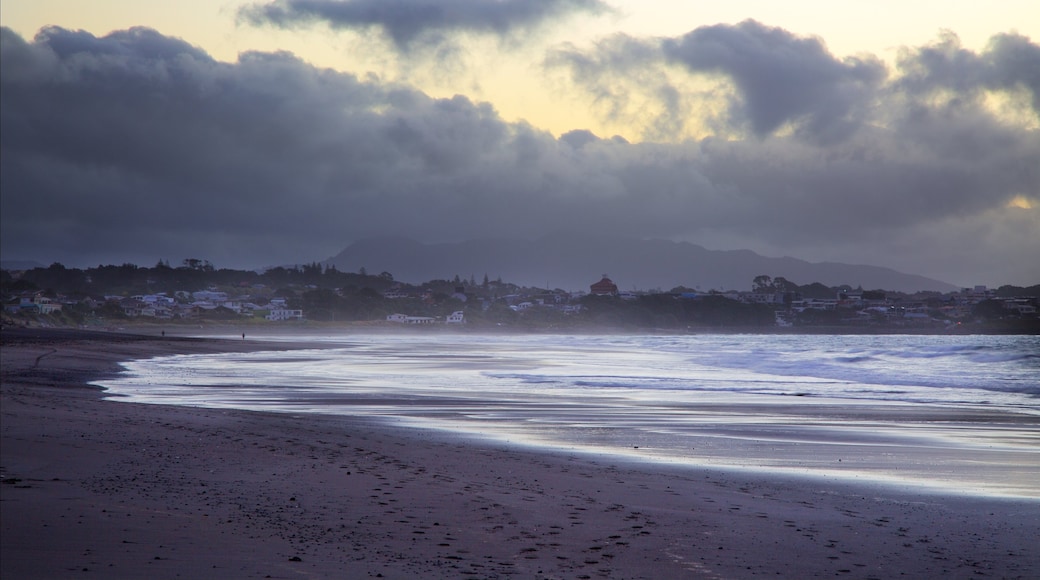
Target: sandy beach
96,488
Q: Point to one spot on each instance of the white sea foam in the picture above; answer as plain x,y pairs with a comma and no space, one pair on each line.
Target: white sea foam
957,412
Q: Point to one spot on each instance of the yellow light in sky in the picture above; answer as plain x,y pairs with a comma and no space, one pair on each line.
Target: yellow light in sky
1021,202
511,76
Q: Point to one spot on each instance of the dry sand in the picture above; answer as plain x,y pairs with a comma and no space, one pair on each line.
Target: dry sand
95,488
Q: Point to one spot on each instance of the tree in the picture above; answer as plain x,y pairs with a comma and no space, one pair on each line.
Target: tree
371,293
321,304
817,290
111,310
781,284
197,264
991,309
762,283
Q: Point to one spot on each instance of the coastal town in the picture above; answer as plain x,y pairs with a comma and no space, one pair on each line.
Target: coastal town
314,294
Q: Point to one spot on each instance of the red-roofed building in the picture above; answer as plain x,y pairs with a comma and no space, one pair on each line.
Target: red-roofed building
604,287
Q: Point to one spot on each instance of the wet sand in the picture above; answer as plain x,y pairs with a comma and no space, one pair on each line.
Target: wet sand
118,490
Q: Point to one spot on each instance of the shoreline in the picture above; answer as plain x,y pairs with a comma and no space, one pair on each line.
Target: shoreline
132,490
310,327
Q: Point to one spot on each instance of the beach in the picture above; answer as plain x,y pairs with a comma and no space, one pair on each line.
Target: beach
93,487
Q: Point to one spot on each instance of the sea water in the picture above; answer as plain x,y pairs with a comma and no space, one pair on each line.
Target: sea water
950,413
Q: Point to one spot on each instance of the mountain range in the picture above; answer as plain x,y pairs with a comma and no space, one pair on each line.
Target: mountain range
572,262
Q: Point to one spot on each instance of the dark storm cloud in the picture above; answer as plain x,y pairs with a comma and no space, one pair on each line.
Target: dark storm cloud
406,21
136,146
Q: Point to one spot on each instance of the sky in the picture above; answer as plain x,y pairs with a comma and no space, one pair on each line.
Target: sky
265,132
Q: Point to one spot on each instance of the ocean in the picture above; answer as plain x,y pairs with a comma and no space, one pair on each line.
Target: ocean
950,414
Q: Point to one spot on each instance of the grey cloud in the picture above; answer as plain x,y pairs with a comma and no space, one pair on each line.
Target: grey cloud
1010,61
578,138
878,181
407,21
135,147
782,78
875,135
137,42
779,79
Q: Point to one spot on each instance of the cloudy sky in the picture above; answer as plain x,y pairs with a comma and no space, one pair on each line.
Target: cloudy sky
259,132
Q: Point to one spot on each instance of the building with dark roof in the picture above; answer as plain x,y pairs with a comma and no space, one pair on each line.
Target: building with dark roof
604,287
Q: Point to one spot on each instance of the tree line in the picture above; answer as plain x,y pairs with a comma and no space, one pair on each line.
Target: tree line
328,294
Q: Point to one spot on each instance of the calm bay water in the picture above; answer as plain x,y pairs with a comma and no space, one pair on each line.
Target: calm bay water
952,413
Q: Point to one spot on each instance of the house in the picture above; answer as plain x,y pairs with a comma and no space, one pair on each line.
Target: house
1021,306
284,314
132,308
814,304
460,294
395,292
605,287
45,305
764,298
157,299
36,303
148,309
209,296
404,319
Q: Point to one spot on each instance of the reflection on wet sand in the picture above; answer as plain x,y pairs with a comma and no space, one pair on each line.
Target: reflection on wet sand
663,400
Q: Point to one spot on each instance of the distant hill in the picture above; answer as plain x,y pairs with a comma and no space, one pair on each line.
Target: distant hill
574,262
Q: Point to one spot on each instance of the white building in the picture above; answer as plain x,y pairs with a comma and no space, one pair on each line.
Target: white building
284,314
404,319
44,305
